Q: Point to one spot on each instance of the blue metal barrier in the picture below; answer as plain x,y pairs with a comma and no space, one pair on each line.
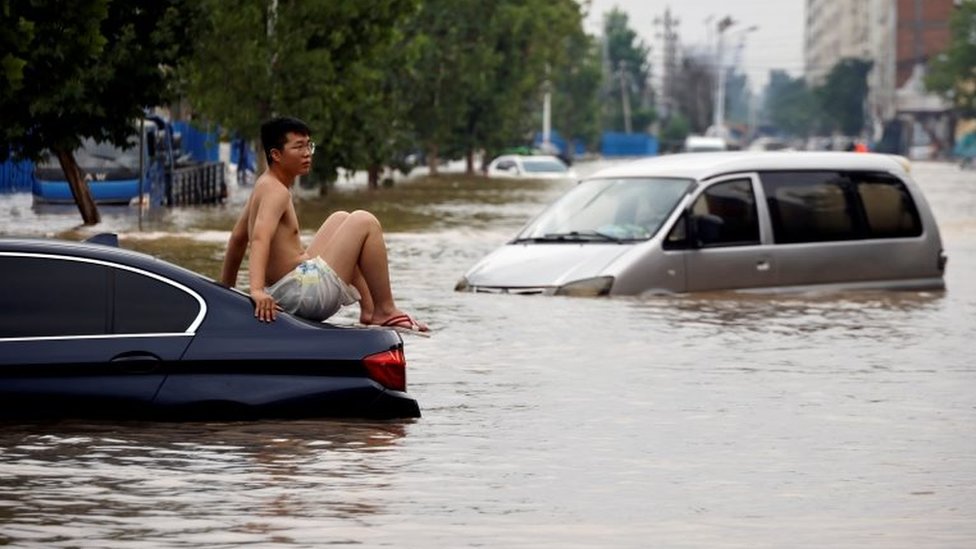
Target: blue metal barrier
16,176
628,144
202,146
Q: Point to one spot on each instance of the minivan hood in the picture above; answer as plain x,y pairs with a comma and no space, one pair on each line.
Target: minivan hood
549,264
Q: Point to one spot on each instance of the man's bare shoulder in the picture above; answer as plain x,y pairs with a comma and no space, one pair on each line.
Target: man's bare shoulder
267,186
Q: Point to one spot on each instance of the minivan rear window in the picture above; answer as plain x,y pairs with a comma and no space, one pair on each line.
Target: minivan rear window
833,206
888,207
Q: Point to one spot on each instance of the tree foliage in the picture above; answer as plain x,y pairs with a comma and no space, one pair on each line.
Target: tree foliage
953,73
576,88
843,94
790,105
321,60
696,79
84,69
627,57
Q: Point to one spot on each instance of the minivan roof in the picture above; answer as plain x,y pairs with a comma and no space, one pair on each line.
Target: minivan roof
701,166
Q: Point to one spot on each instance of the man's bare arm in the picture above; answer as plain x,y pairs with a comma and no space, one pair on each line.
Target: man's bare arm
236,246
270,209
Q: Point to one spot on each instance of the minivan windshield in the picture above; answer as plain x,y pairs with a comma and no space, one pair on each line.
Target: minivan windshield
608,210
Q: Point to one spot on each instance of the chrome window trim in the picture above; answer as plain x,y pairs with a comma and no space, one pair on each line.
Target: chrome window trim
189,331
98,336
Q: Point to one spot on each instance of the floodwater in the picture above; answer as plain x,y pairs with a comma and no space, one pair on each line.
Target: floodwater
714,420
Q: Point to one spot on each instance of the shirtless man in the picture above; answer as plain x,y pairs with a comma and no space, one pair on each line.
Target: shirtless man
345,262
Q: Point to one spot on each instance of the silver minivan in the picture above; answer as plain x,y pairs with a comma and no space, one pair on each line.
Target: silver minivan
785,221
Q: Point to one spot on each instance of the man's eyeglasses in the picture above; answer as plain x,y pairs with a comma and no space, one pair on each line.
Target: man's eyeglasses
310,146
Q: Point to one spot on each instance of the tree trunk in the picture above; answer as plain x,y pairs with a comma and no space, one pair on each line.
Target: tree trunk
469,170
373,174
79,189
432,158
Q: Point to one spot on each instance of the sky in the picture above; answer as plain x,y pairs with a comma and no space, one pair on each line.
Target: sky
776,43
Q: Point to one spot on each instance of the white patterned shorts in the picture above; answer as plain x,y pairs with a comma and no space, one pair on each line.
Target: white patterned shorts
313,291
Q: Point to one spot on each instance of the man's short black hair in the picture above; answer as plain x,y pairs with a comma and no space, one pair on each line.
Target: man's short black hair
274,133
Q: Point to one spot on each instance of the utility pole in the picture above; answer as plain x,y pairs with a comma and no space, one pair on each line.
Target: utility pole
669,61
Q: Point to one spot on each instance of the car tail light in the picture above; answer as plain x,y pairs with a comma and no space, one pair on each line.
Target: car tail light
388,368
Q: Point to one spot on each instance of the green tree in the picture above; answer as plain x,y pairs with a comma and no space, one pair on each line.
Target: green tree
321,60
737,97
790,105
629,71
455,63
576,88
843,94
697,82
529,41
481,68
83,69
953,73
674,133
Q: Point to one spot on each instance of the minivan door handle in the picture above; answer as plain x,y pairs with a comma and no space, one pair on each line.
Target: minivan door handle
762,265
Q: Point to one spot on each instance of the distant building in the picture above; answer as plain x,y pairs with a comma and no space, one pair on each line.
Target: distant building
898,37
835,29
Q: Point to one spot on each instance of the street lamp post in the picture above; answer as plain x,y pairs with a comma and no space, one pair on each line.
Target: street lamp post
718,113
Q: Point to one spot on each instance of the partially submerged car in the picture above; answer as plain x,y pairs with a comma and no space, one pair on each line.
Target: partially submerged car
540,166
93,330
726,221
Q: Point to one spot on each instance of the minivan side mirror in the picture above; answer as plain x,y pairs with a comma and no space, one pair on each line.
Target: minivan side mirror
707,228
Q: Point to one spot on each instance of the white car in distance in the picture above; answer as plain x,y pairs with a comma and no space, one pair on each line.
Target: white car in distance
541,166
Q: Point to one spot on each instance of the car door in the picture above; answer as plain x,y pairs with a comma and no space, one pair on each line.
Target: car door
85,334
726,232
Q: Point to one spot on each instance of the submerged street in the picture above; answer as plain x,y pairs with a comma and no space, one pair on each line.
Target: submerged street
719,420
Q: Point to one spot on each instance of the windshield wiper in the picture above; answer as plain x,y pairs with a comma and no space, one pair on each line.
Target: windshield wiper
572,236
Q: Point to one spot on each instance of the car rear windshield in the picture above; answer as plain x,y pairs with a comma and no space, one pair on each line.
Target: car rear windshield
609,209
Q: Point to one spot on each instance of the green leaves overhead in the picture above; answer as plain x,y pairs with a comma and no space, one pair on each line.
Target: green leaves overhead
375,79
83,68
323,61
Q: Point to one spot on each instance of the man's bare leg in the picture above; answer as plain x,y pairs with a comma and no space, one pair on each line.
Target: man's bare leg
321,241
358,244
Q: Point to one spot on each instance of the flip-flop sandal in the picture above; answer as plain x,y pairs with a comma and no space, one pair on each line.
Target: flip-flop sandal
405,324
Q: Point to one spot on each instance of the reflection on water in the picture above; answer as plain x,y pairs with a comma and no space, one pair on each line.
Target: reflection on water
711,420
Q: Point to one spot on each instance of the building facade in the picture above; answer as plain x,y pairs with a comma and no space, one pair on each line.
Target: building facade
898,37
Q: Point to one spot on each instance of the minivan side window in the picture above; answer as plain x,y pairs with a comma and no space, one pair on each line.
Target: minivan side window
810,206
832,206
725,214
43,296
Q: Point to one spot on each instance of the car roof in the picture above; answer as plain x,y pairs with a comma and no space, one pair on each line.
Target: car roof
101,252
700,166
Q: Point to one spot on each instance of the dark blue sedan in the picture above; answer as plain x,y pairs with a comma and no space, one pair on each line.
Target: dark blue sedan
91,330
